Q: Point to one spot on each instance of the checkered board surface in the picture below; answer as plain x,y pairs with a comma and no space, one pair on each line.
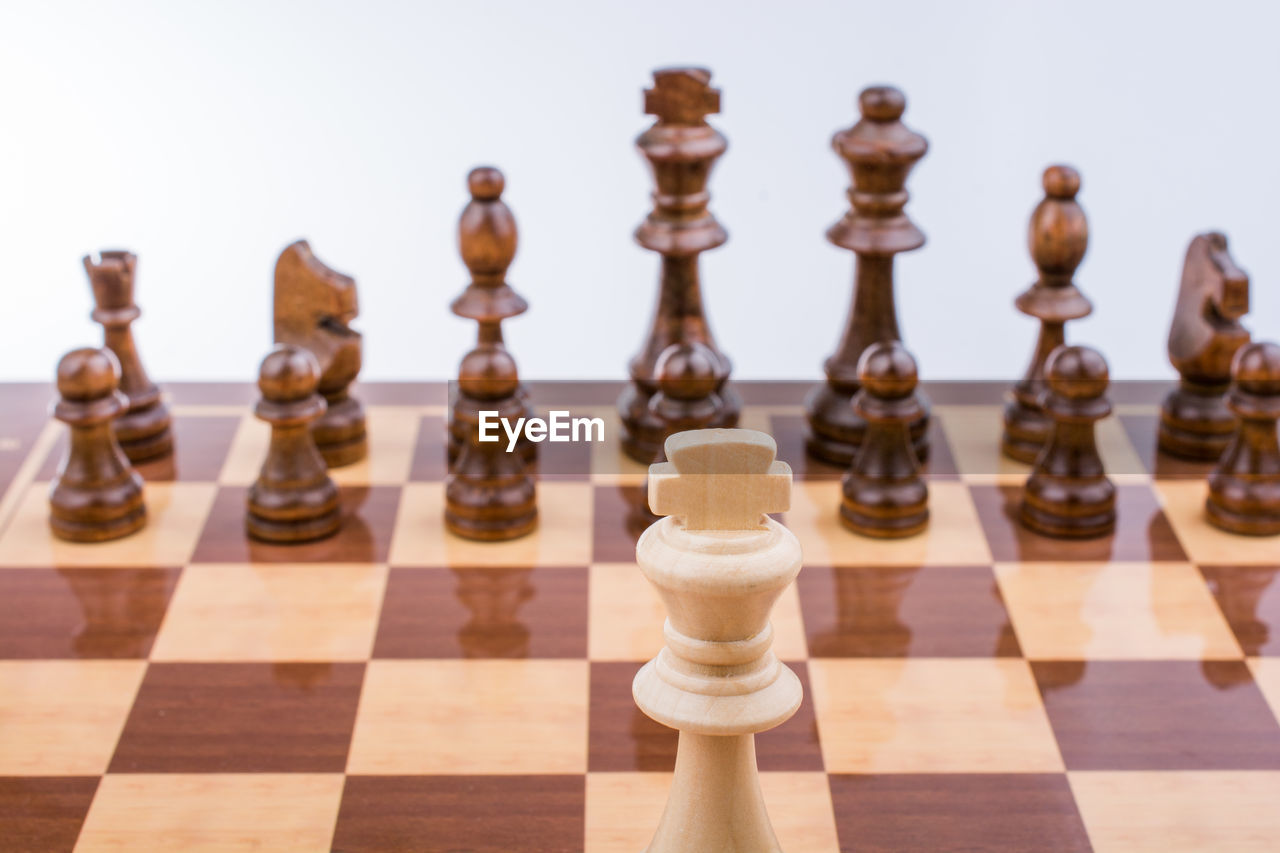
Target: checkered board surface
974,688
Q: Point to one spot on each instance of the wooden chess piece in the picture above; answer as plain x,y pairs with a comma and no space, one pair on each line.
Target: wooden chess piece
96,495
1205,335
1068,494
293,499
314,307
681,149
884,494
144,430
720,563
489,492
686,378
487,240
1058,237
1244,488
879,151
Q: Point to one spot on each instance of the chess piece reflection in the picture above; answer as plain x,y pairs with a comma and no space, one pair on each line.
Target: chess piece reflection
1195,422
143,430
494,597
96,495
314,306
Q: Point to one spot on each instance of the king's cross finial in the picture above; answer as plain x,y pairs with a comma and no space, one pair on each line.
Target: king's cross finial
681,96
720,479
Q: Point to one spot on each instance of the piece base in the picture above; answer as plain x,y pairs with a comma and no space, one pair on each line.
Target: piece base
879,524
1082,526
293,532
1231,521
99,531
490,530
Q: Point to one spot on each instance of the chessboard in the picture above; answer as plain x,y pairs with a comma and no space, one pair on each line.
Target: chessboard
976,687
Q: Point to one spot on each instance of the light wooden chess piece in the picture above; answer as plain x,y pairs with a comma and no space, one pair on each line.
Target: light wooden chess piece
719,563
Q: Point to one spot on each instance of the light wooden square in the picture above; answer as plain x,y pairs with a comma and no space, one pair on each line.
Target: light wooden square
273,612
204,813
472,717
1205,544
1179,812
63,717
563,536
954,536
627,615
1266,671
1095,611
623,810
922,715
176,513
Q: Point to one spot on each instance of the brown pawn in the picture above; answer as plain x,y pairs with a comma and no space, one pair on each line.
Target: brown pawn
686,398
1205,335
144,429
879,151
489,493
681,149
487,241
1244,488
314,307
884,495
96,495
293,499
1068,494
1058,237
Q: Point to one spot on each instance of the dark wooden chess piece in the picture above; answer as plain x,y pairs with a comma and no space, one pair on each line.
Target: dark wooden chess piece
880,152
293,499
884,495
1244,488
1195,422
489,492
1058,237
144,429
96,495
314,306
686,397
1068,494
487,240
681,149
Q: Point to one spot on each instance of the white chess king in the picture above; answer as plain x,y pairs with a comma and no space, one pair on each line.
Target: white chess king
720,562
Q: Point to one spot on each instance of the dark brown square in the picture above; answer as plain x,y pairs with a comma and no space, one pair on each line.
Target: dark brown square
200,447
1158,715
1142,534
622,738
43,814
82,613
447,814
1249,598
484,613
1142,433
902,813
368,521
620,514
887,611
430,451
241,718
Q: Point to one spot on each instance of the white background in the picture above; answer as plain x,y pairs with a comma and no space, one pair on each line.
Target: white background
206,137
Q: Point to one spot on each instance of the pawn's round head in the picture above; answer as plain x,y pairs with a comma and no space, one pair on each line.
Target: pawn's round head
887,370
288,373
1061,182
687,371
488,372
882,103
485,183
88,374
1256,369
1077,373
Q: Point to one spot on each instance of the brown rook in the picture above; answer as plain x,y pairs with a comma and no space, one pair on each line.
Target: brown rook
880,152
293,499
1057,237
1068,494
144,429
681,149
1195,422
96,495
1244,488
